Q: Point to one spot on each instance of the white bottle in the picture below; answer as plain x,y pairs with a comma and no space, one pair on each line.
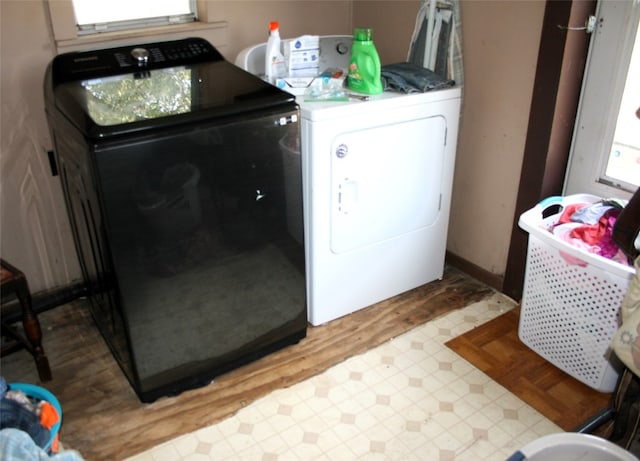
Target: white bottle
274,66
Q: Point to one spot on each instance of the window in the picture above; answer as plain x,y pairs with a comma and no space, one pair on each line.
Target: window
202,20
623,163
105,16
605,156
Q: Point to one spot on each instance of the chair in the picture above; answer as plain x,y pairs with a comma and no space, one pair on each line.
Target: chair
13,284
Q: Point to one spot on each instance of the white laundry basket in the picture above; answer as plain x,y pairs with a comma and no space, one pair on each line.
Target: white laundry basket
571,447
571,299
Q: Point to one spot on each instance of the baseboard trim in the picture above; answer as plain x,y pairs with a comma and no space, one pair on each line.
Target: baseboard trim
48,299
494,281
45,300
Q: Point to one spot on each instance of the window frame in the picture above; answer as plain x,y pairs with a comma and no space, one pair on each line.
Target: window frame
67,38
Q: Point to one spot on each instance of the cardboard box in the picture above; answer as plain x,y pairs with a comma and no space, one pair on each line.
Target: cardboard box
329,78
294,85
302,55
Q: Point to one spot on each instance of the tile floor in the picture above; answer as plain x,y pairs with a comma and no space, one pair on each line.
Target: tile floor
411,398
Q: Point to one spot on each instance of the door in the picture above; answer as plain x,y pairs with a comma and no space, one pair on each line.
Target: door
204,233
605,155
381,191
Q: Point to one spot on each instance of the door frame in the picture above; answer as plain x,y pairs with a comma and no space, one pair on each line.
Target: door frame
562,57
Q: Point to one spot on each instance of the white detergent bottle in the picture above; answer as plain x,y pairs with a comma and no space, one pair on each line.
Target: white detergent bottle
274,65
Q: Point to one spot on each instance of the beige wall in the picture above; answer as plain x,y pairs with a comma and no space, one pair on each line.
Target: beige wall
249,20
392,23
500,46
500,41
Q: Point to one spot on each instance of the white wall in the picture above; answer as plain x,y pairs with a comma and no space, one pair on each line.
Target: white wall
34,232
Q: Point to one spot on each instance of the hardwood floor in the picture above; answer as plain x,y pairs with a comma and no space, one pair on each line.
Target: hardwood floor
496,349
104,420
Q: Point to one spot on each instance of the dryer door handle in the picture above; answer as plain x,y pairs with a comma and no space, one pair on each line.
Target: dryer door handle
347,195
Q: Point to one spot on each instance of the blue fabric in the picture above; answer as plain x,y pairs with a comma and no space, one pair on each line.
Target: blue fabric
591,214
517,456
14,415
16,445
405,77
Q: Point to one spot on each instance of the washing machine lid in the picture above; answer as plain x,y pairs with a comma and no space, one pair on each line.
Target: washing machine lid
125,90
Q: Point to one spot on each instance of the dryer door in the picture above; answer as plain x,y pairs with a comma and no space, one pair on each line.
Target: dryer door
386,181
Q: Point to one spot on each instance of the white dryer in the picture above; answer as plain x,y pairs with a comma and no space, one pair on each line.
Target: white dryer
377,179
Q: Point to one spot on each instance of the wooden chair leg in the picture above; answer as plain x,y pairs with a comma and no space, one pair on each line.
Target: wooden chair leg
33,332
13,282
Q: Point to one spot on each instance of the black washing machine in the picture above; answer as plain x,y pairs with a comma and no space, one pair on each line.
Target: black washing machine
184,192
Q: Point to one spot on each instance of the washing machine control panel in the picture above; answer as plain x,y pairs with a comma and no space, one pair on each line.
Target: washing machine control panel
173,52
113,61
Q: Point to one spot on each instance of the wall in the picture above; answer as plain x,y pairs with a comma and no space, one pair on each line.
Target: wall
392,23
35,234
500,45
500,41
249,20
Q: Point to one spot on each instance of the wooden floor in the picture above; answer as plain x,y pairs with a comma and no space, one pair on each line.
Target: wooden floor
104,420
496,349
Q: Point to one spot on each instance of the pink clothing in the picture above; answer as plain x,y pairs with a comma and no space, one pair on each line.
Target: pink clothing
594,238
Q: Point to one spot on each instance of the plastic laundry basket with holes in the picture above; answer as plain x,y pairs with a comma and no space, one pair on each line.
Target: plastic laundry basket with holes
571,299
38,394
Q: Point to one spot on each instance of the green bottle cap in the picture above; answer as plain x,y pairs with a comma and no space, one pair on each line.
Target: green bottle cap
363,34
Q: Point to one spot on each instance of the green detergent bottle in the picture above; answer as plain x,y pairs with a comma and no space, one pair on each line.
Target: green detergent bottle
364,67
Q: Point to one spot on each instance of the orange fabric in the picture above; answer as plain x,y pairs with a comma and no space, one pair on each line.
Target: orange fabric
565,217
48,417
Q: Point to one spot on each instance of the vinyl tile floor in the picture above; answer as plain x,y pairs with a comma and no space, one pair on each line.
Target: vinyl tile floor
411,398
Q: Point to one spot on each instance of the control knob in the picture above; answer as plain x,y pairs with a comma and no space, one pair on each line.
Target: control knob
140,56
342,48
